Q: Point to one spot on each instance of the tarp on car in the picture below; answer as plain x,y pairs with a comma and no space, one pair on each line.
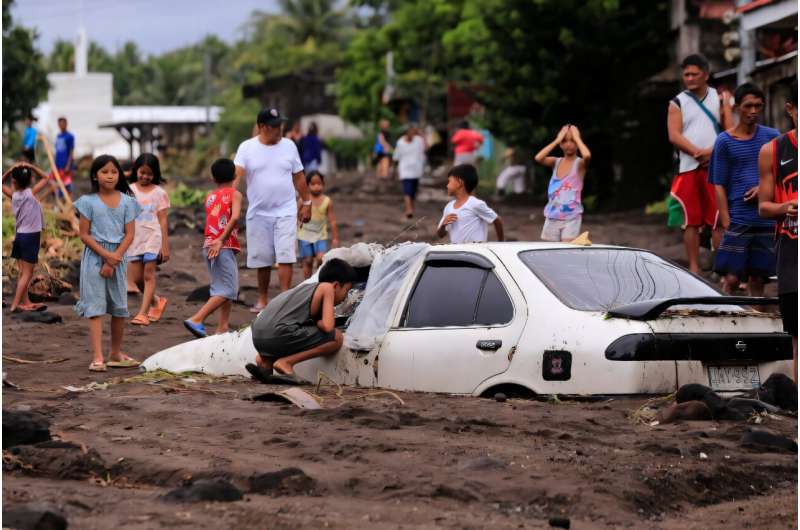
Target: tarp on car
227,354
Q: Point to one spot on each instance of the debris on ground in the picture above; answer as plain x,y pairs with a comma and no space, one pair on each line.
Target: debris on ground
24,427
205,490
34,516
289,481
38,317
765,441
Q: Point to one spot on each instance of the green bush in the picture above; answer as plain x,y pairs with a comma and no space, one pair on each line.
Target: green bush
349,152
183,195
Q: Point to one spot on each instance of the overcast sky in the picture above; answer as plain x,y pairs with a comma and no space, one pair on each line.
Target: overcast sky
155,25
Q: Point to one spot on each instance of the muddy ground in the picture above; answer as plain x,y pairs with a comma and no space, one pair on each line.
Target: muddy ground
373,460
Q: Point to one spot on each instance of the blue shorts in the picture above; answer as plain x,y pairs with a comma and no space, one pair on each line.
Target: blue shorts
224,272
410,187
309,250
746,251
26,247
147,257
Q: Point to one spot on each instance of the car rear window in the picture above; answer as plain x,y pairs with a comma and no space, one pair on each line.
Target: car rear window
599,279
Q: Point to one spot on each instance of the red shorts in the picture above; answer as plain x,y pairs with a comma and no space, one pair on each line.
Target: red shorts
66,176
696,196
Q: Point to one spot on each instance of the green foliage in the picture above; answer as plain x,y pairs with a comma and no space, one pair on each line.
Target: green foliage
182,195
8,227
657,208
349,152
534,66
24,77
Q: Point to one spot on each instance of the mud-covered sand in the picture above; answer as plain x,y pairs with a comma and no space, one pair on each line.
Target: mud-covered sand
432,461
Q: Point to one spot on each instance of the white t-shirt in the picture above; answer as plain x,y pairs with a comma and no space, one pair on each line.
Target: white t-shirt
268,172
410,157
472,225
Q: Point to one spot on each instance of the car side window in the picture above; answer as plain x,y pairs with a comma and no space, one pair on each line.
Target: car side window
495,306
457,294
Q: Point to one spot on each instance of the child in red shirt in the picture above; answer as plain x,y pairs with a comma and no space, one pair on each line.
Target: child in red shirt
223,209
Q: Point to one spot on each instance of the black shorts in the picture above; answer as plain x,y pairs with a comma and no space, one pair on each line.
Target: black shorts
26,247
295,340
787,303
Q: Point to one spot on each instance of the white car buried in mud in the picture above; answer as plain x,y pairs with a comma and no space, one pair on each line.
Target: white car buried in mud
541,317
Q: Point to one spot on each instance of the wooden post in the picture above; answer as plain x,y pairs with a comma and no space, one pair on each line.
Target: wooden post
67,209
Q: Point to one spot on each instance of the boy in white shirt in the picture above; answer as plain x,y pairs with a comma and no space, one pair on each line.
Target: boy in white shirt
467,218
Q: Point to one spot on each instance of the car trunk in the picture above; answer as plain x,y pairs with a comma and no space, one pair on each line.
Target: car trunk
728,351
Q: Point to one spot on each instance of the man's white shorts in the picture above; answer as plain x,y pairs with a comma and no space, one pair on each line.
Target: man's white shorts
271,240
556,230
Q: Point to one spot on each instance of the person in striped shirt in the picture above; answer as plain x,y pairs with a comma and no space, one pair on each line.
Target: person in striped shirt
746,252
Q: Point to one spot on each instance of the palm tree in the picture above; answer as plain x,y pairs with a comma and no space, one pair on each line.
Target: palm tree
312,21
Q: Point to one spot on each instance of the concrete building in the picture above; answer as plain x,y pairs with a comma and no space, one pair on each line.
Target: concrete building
85,99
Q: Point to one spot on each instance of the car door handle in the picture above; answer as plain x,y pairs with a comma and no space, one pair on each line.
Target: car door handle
490,345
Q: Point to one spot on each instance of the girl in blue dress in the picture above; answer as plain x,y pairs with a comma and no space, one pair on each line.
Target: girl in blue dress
106,228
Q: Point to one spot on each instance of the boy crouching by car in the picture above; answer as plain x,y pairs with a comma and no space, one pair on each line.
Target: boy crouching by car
299,324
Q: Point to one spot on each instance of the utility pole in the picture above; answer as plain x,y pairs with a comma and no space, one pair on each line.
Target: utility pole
207,77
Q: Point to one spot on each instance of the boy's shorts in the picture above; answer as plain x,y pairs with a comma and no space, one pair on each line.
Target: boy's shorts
26,247
746,251
294,340
147,257
410,187
696,196
309,250
271,240
224,272
787,303
557,230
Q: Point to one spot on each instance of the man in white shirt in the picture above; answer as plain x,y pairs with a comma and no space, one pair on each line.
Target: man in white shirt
409,153
467,218
273,173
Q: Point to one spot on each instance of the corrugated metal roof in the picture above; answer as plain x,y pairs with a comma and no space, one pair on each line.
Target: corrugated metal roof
163,114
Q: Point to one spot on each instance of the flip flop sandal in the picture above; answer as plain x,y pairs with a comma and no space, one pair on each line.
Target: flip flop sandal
198,330
259,374
97,367
157,310
140,321
126,362
257,308
286,379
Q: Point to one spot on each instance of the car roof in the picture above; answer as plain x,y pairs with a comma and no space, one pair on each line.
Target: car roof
519,246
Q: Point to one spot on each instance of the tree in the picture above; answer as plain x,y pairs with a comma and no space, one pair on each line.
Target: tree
24,76
534,65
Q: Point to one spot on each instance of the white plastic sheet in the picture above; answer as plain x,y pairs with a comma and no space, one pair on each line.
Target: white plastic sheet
371,319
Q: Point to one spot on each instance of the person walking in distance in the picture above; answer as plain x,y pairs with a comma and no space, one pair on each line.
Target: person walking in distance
777,199
273,174
409,153
466,144
65,146
695,117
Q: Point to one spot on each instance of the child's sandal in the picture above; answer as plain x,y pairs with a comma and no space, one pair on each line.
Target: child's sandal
154,315
97,367
140,321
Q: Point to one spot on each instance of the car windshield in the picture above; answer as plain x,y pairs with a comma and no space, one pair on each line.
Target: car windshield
599,279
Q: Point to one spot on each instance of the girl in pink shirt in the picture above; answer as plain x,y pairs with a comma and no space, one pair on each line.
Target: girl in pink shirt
150,243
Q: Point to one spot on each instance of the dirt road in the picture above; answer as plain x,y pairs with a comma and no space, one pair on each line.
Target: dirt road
370,460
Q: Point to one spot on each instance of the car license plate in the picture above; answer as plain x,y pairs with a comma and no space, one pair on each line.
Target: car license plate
733,377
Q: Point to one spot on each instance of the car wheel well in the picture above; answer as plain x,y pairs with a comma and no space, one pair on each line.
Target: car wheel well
511,390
